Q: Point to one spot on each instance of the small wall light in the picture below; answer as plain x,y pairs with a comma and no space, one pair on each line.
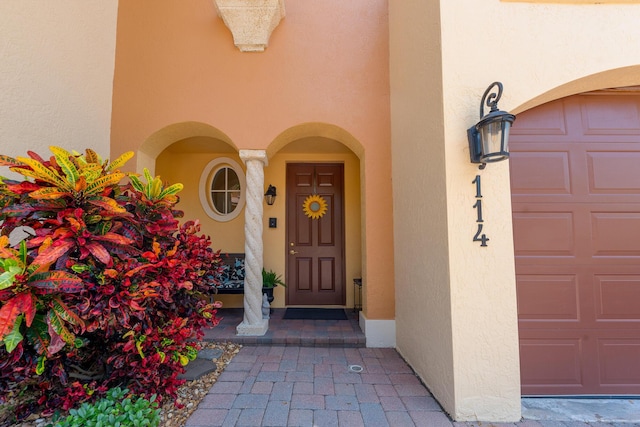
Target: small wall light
270,195
489,138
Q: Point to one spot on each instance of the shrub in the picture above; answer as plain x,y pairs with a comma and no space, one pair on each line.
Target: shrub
107,289
116,408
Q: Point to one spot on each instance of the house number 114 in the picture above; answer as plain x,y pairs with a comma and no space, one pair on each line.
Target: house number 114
482,238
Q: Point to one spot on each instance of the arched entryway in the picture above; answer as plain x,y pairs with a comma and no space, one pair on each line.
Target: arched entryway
575,183
186,152
321,254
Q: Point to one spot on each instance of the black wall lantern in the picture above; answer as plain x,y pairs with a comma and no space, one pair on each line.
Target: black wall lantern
489,138
270,195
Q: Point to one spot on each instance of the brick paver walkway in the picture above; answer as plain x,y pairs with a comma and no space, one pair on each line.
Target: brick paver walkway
314,386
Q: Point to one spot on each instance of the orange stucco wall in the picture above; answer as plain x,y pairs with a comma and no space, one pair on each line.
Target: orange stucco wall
326,62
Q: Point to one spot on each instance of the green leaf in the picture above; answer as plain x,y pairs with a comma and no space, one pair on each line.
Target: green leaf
155,188
103,227
172,189
147,175
58,327
13,338
49,193
137,184
38,334
67,166
98,186
9,161
63,311
23,252
8,277
80,268
120,161
40,367
91,171
42,173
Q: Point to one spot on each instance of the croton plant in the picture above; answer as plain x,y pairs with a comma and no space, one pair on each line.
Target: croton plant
107,288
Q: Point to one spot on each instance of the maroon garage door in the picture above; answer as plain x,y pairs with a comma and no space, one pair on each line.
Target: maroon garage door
575,183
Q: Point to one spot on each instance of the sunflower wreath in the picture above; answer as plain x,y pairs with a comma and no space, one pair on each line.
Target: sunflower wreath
314,206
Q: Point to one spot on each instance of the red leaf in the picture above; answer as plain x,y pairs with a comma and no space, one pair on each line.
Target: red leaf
134,305
56,281
110,206
19,210
12,309
114,238
23,187
56,343
30,311
52,253
35,156
99,251
66,314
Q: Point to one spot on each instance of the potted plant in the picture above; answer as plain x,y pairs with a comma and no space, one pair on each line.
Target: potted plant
270,279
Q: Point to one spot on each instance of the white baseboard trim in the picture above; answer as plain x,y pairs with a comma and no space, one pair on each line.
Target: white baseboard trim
379,333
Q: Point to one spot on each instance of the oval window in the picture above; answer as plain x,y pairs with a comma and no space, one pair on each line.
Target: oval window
222,189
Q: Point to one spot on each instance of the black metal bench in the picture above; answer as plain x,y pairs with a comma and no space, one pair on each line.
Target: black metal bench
232,275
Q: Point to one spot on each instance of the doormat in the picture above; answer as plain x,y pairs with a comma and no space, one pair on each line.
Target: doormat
315,313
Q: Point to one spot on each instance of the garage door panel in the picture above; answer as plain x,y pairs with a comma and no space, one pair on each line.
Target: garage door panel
617,298
613,172
551,361
543,122
619,361
544,234
549,297
620,117
541,173
615,234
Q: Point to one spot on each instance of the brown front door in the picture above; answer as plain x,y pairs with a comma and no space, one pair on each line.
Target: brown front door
315,246
575,184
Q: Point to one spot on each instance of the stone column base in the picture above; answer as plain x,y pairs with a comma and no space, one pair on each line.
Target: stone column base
257,330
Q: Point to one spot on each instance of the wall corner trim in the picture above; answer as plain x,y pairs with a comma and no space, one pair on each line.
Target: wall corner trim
378,333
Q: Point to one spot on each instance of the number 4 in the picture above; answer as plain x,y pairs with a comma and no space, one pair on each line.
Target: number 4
483,238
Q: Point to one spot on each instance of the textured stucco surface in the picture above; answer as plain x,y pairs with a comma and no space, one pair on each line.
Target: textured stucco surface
57,63
424,333
540,52
325,73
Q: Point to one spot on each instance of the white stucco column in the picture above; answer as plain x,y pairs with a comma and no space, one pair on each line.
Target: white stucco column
253,324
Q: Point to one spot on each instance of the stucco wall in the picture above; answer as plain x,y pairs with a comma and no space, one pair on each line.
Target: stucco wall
327,62
57,63
423,301
540,52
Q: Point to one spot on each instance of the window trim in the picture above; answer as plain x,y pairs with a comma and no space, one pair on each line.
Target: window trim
206,177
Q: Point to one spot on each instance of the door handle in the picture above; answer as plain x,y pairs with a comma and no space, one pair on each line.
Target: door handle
292,252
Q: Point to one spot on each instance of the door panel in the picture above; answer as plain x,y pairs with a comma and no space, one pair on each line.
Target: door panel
315,246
